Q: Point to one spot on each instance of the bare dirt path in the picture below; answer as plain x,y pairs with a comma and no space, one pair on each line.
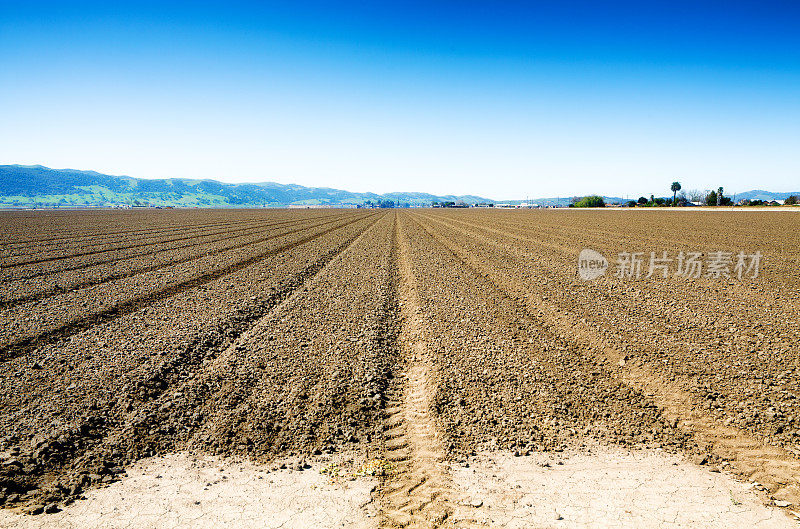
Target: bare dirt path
417,494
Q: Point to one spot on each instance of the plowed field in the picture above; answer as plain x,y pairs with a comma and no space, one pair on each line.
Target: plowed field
419,338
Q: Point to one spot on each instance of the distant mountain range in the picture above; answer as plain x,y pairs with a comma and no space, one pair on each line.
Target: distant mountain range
38,186
35,185
758,194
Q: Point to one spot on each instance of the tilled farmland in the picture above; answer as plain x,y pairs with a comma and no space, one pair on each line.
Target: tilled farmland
417,338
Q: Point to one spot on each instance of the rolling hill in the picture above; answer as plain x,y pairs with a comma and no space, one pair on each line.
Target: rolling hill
35,185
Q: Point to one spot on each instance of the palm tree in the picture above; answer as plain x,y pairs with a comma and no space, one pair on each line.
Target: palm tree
675,187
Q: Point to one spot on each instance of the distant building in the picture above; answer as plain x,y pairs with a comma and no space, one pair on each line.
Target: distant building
323,206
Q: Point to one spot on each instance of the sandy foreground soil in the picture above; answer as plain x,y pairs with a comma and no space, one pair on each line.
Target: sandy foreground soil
600,487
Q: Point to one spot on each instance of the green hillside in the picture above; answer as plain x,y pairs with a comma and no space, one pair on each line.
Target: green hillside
38,186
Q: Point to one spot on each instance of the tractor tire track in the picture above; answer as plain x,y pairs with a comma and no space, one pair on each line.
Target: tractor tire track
417,495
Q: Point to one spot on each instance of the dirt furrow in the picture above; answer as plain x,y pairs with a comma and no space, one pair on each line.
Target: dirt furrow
105,248
73,327
75,243
775,467
313,375
711,340
62,285
633,228
142,418
102,233
86,259
729,303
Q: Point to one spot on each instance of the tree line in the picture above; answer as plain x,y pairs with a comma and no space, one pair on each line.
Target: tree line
679,199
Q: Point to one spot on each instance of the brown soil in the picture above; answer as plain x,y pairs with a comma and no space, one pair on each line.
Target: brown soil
419,338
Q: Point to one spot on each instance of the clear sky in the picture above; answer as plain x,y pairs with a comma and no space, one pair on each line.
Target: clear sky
500,99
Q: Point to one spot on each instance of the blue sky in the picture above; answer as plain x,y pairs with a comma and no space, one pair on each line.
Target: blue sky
504,99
